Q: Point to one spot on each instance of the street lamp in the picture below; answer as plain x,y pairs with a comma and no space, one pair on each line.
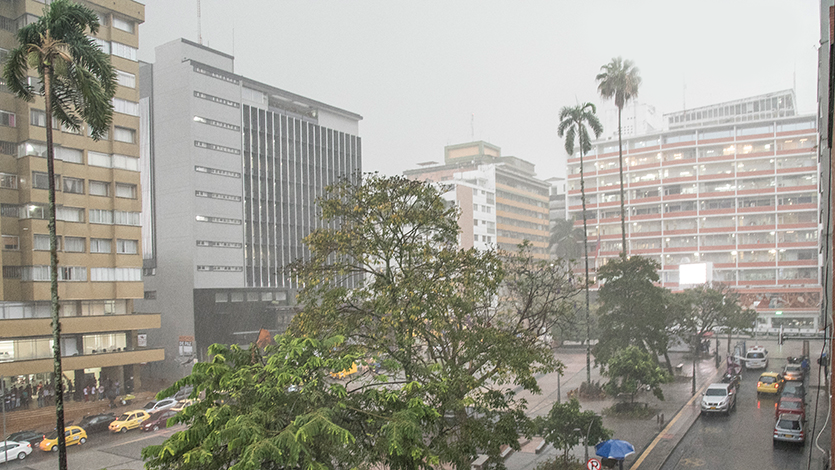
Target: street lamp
586,437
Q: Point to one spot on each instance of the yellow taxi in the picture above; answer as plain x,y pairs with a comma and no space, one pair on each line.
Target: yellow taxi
73,435
128,421
770,382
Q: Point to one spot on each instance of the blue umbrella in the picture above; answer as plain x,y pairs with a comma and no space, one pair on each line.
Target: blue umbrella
614,449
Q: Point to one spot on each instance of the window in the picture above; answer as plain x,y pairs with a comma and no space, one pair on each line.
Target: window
69,214
11,242
69,155
126,79
150,295
126,163
124,25
123,50
99,188
123,134
99,159
8,181
221,297
99,216
41,180
37,117
7,119
65,273
104,45
125,107
127,247
73,185
115,274
74,244
126,190
31,148
104,136
100,245
127,218
40,242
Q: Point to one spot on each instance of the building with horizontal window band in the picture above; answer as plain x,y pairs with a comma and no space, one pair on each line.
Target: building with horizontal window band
99,224
234,169
733,185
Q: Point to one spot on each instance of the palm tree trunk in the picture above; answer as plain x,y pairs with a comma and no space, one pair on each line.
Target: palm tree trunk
586,256
622,209
58,374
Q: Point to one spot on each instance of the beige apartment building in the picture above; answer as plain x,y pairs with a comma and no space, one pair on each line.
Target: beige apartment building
99,223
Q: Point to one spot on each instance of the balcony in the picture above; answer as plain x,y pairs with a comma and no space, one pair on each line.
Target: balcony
25,327
89,361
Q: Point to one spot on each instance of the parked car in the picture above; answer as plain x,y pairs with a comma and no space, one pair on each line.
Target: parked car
73,435
794,389
128,421
719,398
791,405
31,436
789,428
182,404
158,420
769,382
164,404
97,423
793,372
15,450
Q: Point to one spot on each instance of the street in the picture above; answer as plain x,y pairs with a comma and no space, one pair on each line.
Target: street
744,439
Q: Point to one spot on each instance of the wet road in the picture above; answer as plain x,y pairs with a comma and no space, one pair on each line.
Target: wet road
744,439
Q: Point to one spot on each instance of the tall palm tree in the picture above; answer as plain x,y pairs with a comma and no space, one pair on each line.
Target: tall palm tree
574,124
77,82
565,240
619,79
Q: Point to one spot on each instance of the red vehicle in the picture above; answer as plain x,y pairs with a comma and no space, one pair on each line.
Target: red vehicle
790,405
157,420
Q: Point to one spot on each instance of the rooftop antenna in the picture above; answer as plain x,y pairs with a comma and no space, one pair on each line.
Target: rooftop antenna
199,26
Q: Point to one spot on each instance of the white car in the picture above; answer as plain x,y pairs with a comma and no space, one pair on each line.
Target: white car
15,450
719,398
160,405
756,358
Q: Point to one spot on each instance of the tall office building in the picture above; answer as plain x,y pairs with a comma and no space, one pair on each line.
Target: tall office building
98,211
733,185
235,166
502,202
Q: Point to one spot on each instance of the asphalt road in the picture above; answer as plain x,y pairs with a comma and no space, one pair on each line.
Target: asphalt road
744,439
101,451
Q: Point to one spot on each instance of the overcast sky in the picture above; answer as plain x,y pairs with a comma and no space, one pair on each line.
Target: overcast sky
425,74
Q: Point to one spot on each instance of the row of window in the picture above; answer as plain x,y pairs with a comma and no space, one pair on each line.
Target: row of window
40,180
71,214
116,48
69,308
73,274
224,297
37,118
69,244
766,239
41,348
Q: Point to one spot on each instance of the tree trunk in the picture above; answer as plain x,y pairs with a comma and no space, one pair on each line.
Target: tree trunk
58,374
586,256
622,203
669,364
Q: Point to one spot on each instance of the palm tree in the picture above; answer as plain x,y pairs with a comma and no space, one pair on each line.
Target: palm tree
565,240
619,79
574,124
77,83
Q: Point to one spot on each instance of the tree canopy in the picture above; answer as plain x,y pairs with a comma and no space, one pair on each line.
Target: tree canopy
565,427
703,308
631,368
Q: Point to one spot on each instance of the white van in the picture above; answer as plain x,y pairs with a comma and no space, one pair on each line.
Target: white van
756,358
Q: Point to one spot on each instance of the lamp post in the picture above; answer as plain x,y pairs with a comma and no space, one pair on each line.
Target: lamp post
586,437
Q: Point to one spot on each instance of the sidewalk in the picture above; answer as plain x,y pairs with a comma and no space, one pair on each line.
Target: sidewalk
640,433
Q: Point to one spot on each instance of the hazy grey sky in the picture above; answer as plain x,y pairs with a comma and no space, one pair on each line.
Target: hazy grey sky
417,71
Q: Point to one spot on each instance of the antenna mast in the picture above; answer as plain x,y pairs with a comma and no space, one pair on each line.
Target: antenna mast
199,25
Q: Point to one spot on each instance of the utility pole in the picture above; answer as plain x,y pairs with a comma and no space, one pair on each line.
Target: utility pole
696,347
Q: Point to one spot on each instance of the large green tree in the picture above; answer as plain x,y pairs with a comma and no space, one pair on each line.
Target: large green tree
565,427
632,310
632,368
265,409
454,329
619,79
565,240
574,126
77,83
703,308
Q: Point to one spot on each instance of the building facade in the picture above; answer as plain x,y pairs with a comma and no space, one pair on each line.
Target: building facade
502,202
98,212
733,185
235,166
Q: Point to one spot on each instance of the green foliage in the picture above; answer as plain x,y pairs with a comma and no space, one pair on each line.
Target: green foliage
454,329
574,126
701,309
565,427
632,368
248,418
632,308
565,240
560,464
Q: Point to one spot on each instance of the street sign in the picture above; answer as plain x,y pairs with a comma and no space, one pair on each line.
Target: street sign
186,345
593,464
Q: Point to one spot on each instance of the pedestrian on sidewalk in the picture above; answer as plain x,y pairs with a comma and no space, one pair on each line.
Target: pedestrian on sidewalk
39,394
101,390
86,393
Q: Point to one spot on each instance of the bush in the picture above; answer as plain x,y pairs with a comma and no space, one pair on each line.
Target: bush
560,464
630,411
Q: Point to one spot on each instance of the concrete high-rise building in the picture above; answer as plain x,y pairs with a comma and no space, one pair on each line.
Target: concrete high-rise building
235,166
734,185
99,208
502,202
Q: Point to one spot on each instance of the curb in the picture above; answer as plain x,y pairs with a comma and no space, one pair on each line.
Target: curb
689,420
